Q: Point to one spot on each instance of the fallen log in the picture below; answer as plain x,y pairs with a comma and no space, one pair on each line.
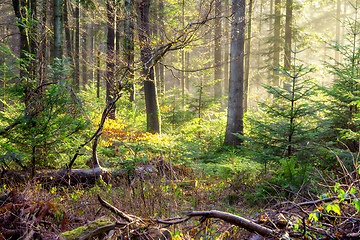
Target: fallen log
75,176
59,177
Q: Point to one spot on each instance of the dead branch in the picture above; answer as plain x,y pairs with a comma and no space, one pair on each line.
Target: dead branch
98,132
115,210
233,219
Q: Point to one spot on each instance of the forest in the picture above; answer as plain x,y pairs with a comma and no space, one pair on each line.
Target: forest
179,119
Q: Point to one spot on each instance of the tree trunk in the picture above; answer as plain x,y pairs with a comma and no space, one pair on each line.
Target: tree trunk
277,41
20,7
77,49
152,112
110,55
68,42
338,11
98,74
58,29
182,73
226,49
43,42
129,47
288,34
247,58
236,94
161,67
217,52
84,53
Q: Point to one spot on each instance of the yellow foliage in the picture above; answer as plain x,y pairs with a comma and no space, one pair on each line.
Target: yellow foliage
116,130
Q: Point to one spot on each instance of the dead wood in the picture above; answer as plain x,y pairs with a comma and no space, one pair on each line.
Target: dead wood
227,217
113,209
233,219
73,177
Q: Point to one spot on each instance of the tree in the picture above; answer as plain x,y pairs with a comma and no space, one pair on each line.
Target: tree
110,56
129,46
76,80
288,124
247,57
288,33
67,29
21,8
343,103
152,111
58,44
217,52
277,41
236,81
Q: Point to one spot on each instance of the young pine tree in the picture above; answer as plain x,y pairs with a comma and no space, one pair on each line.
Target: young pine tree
287,121
344,95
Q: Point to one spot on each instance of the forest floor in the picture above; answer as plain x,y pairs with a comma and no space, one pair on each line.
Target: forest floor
145,195
149,198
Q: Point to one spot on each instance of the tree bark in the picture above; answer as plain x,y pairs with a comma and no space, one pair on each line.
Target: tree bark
77,49
277,41
247,58
236,93
58,29
152,112
226,50
67,30
338,12
20,7
110,55
288,34
84,51
217,52
129,47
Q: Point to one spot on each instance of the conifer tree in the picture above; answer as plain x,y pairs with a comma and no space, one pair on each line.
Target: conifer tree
344,95
289,118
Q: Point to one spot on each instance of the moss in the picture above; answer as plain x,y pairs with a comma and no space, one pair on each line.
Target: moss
83,230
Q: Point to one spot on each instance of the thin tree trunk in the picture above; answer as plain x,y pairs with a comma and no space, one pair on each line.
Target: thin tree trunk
110,56
338,11
68,42
43,42
33,38
84,53
77,49
129,47
277,41
247,58
91,57
182,73
236,83
20,7
98,74
161,67
226,50
152,112
58,29
217,52
288,34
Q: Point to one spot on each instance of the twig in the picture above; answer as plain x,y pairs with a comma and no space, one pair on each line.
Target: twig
115,210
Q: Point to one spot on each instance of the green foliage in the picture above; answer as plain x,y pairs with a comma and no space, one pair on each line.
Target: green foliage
288,121
344,95
47,114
